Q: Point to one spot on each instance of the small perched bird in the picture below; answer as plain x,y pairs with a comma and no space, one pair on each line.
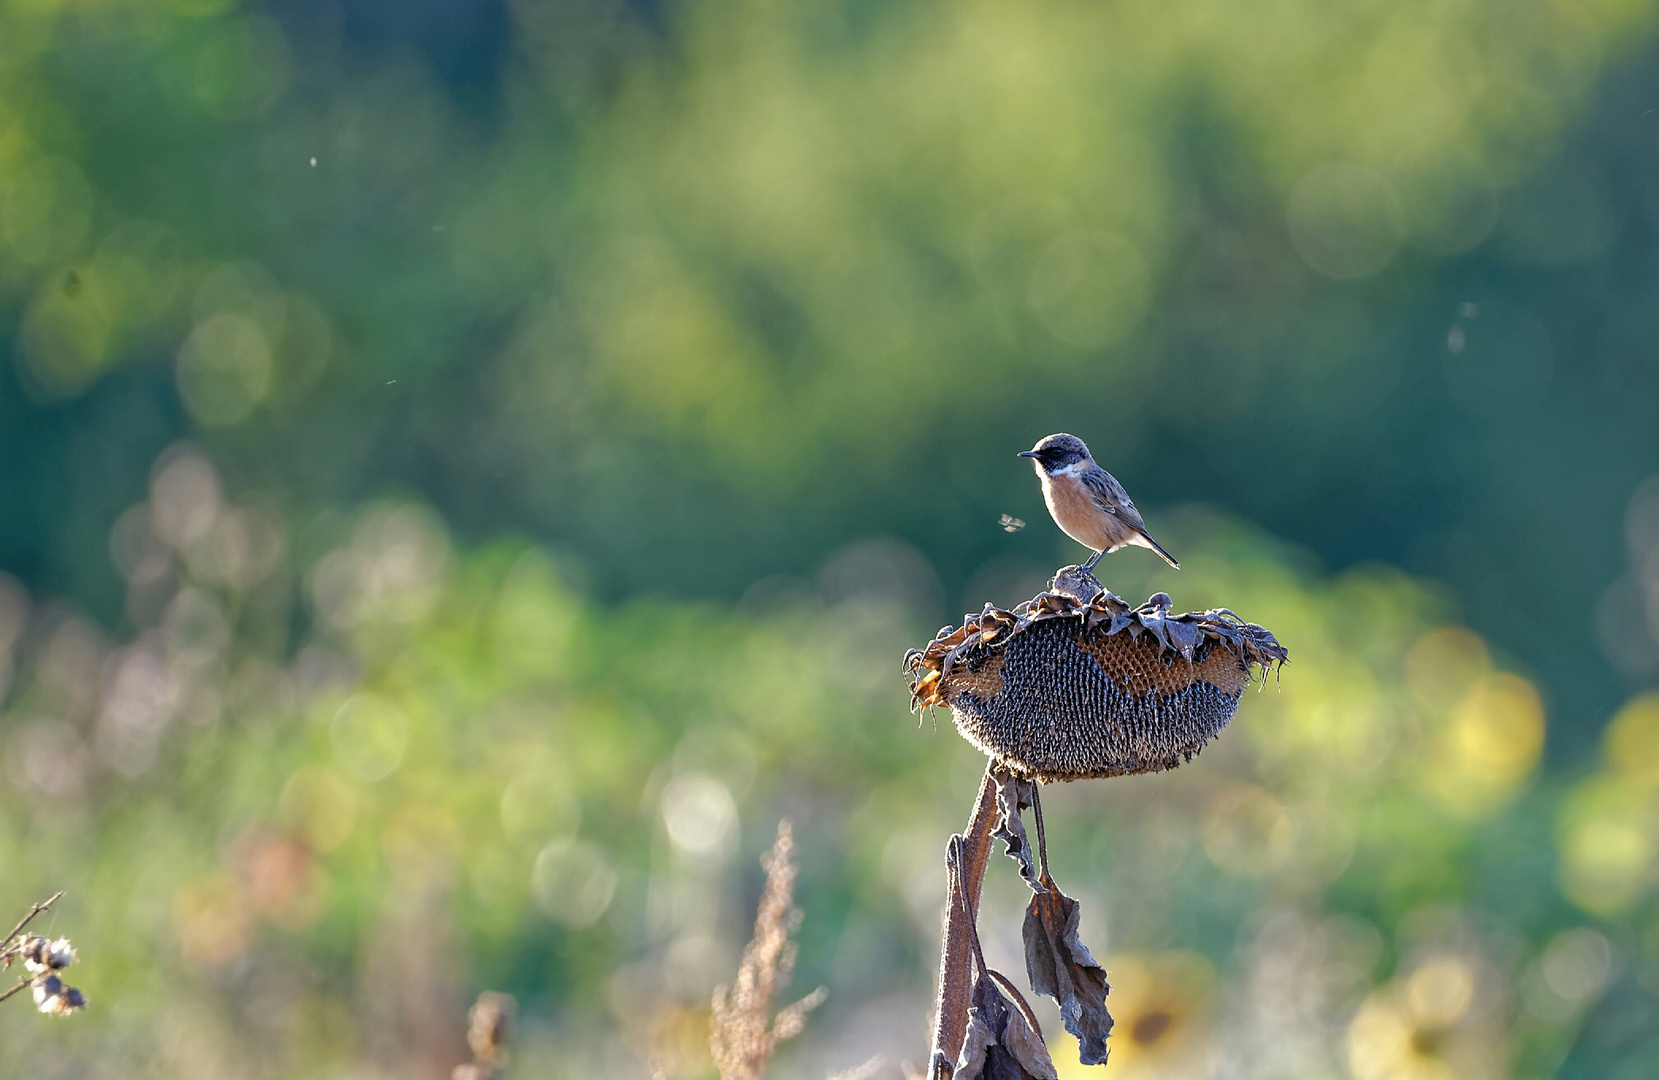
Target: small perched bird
1088,504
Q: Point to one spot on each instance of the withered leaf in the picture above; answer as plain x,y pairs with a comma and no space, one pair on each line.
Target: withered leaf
1157,626
1014,795
1184,635
1000,1044
1059,965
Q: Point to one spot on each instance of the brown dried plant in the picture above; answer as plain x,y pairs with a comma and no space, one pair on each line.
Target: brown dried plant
741,1038
1071,684
42,960
489,1023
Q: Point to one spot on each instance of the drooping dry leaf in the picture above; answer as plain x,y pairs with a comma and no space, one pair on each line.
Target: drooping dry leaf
1059,965
1014,795
1000,1044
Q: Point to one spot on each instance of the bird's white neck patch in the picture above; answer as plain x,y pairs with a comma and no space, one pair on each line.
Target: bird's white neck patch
1076,468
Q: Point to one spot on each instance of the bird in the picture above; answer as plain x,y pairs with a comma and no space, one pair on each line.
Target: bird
1086,501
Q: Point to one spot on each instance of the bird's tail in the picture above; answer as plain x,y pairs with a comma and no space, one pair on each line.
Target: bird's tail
1155,546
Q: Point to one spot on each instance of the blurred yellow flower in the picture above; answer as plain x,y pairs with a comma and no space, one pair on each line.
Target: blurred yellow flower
1609,839
1609,824
1425,1026
1159,1004
1488,746
1632,740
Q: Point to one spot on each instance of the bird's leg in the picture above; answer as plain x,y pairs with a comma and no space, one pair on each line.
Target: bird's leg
1088,567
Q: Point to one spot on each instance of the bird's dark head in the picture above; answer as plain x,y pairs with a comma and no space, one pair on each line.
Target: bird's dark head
1057,453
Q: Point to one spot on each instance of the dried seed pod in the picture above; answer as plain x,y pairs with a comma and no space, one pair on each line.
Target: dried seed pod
1063,688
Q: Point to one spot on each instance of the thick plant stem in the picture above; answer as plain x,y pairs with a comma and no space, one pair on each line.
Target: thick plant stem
961,912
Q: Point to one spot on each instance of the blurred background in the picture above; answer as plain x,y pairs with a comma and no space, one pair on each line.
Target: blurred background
468,467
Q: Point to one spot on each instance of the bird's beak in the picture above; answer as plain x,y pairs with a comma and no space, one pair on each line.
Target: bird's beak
1026,453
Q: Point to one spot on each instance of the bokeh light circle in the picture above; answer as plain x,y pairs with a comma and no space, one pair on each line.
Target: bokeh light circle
1345,221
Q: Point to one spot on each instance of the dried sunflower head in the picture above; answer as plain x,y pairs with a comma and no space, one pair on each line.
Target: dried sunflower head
1062,688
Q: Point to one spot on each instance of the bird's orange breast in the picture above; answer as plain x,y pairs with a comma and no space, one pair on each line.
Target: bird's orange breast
1076,512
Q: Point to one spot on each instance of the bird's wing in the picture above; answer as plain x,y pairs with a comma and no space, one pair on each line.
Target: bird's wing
1109,495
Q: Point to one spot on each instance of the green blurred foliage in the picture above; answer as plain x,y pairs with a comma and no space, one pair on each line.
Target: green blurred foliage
1374,278
298,857
471,467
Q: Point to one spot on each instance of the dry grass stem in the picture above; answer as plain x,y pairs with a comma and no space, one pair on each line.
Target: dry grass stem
862,1072
34,910
741,1038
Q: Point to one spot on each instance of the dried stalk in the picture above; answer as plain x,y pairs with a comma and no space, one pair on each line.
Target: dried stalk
962,910
1073,683
34,909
